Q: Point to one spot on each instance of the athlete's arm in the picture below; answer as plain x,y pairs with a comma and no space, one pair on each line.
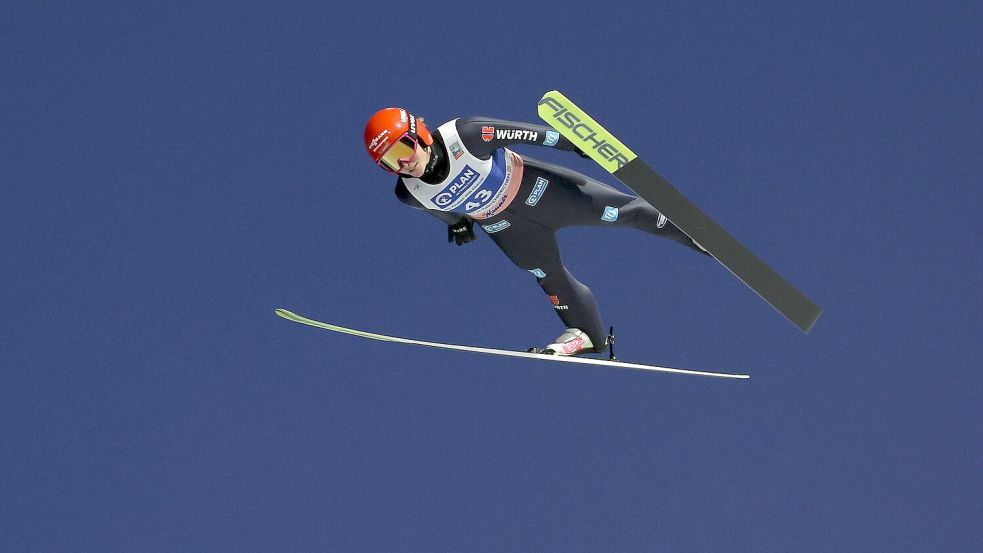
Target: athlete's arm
483,135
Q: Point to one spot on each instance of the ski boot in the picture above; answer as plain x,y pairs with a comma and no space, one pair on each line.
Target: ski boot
572,342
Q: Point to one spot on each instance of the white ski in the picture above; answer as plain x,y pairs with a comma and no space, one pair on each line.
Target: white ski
290,316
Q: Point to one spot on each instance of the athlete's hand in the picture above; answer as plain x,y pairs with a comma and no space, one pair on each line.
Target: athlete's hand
462,231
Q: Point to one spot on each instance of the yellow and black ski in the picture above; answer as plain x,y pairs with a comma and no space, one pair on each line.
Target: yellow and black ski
581,129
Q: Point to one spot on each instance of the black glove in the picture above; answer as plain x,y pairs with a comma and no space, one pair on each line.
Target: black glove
462,231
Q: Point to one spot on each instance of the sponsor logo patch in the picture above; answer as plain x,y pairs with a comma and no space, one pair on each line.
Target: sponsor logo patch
554,300
487,133
538,272
496,227
662,221
573,346
552,137
516,134
537,191
380,141
610,214
456,150
456,188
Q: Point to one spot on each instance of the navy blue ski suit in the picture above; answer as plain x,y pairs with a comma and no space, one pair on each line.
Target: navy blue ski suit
549,197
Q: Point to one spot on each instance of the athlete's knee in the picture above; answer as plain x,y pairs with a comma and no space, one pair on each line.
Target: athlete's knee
641,215
561,279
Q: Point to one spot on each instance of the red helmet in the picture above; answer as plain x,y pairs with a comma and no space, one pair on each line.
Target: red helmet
386,126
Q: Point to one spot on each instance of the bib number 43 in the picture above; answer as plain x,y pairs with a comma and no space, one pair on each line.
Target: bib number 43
478,200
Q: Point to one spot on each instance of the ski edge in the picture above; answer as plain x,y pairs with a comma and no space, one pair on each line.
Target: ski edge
294,317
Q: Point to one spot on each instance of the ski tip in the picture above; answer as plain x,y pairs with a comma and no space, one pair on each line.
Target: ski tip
283,313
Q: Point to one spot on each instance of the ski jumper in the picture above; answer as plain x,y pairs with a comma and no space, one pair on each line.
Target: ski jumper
521,203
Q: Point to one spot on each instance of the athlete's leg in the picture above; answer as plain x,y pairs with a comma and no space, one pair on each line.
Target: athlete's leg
533,247
573,199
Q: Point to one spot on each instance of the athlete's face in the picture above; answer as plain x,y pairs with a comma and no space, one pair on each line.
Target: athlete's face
418,164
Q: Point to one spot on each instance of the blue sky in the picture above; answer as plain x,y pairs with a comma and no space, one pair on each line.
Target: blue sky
173,172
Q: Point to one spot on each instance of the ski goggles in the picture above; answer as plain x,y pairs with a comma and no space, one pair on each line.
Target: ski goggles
402,152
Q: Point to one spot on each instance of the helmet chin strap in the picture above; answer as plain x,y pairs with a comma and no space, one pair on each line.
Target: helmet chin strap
435,164
432,162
